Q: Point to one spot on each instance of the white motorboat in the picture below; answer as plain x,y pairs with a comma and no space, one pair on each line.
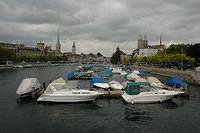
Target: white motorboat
99,82
123,72
116,70
132,76
102,85
115,85
67,92
28,87
18,66
196,76
136,94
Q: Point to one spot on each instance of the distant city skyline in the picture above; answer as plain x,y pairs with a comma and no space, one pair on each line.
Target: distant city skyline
99,26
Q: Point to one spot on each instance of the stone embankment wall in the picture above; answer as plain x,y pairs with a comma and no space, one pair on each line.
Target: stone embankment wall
186,75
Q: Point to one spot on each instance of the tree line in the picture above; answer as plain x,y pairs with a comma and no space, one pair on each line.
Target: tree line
175,53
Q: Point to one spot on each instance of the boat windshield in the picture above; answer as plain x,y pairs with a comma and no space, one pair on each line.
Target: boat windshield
73,84
148,89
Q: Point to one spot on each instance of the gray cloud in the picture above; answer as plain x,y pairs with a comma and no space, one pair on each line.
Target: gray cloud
99,25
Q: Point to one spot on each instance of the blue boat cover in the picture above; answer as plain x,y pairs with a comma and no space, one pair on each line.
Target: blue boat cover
97,79
128,73
71,75
177,82
144,75
106,73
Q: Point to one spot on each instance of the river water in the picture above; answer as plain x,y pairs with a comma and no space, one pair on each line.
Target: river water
105,115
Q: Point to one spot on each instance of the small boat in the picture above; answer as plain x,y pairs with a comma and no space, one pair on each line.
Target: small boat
29,87
115,85
116,70
99,82
154,82
68,93
132,76
196,76
178,84
28,66
123,73
18,66
143,93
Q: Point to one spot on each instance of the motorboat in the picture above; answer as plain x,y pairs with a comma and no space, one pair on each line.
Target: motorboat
115,85
29,87
143,93
116,70
154,82
132,76
196,76
99,82
67,92
178,84
18,66
123,73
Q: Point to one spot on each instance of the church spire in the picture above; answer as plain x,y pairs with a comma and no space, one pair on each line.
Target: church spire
160,40
58,38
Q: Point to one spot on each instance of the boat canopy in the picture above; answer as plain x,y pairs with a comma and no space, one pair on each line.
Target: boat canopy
97,79
71,84
144,75
134,88
27,85
176,82
106,74
59,80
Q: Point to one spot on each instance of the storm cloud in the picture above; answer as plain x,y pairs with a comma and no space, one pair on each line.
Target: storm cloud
99,25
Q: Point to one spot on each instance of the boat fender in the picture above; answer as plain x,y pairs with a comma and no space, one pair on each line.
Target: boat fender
132,102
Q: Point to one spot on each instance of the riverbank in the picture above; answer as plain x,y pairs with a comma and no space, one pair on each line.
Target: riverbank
186,75
12,66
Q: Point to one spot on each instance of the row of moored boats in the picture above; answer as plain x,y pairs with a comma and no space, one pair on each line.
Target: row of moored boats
139,88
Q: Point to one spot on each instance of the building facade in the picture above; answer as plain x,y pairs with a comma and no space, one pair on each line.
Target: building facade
147,52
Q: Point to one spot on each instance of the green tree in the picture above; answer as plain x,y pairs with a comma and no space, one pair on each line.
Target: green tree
178,48
115,59
6,54
99,54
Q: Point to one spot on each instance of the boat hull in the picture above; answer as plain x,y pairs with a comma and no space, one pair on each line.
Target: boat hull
66,99
30,94
147,98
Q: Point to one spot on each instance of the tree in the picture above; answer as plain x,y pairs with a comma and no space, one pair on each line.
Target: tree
178,48
194,51
99,54
6,54
115,59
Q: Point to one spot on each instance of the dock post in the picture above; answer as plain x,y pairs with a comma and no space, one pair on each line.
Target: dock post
109,92
33,92
44,85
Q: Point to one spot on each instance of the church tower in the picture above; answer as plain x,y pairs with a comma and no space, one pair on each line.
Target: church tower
73,48
58,43
145,42
140,42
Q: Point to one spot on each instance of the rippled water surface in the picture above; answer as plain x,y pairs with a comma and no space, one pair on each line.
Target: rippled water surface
104,115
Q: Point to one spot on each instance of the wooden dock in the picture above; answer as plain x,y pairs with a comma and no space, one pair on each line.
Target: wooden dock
111,94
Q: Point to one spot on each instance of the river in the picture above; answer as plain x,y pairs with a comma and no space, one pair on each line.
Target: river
105,115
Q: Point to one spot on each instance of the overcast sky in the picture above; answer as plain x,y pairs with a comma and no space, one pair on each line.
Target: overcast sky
99,25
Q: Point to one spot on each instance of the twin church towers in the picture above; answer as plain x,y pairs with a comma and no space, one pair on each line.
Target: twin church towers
58,45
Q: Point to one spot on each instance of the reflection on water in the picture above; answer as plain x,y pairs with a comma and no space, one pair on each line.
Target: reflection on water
105,115
144,112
